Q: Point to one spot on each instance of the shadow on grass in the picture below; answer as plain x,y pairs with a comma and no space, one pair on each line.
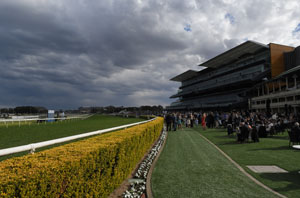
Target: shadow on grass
291,179
229,143
279,137
225,136
273,148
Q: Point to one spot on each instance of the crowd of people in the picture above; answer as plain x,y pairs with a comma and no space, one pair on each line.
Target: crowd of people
247,125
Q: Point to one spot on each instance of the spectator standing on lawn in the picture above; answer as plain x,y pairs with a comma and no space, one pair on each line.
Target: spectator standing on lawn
179,121
188,121
296,130
210,120
192,120
244,133
199,117
174,121
184,120
203,122
216,119
196,121
169,122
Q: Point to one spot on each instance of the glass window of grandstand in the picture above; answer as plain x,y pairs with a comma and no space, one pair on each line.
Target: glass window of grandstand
276,86
297,97
290,98
259,91
290,82
282,110
271,87
298,81
274,100
263,102
258,102
283,85
281,99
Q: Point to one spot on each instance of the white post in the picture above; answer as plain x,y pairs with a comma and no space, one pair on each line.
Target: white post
295,81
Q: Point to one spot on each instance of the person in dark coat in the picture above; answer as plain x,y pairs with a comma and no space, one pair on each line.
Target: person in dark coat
229,129
210,120
262,131
254,134
244,132
296,131
169,122
174,121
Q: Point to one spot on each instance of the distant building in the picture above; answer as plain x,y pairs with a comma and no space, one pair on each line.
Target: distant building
233,78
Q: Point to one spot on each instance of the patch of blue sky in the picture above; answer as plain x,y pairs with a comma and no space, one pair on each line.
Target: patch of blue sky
187,28
297,29
245,39
229,17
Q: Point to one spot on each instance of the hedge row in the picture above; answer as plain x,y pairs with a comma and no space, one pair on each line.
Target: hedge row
93,167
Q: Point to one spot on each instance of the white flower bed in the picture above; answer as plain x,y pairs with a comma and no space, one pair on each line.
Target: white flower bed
138,187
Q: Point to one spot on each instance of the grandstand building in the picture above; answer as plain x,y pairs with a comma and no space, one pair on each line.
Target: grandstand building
234,79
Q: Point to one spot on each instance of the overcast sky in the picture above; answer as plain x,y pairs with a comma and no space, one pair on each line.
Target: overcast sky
71,53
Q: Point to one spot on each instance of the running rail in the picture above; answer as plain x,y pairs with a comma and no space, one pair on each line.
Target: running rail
44,119
33,146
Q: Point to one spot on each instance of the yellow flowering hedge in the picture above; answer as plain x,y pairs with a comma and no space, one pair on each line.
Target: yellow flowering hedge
93,167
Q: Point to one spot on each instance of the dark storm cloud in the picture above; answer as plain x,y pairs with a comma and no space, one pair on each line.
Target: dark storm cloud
26,30
65,54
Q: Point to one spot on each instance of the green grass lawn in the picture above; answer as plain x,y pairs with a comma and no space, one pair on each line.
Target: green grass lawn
191,167
269,151
26,134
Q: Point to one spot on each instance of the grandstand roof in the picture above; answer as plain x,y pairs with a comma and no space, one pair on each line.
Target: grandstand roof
248,47
185,75
290,71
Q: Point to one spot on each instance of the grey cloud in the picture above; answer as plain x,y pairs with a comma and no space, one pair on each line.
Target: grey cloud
25,32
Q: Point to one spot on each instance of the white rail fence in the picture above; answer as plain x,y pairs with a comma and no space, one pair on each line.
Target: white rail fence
45,119
33,146
38,120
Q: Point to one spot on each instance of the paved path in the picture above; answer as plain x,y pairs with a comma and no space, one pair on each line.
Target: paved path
191,167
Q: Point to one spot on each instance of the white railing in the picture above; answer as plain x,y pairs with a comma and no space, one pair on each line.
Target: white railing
43,119
33,146
6,122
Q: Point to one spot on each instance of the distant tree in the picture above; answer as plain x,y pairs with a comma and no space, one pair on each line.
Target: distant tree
11,110
146,108
26,110
4,110
109,109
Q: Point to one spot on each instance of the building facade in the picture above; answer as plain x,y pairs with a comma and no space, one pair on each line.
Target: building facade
232,78
281,93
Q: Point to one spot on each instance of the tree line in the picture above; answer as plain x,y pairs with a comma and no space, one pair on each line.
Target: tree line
108,109
112,109
24,110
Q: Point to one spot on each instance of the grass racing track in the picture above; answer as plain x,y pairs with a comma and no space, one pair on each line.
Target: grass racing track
191,167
